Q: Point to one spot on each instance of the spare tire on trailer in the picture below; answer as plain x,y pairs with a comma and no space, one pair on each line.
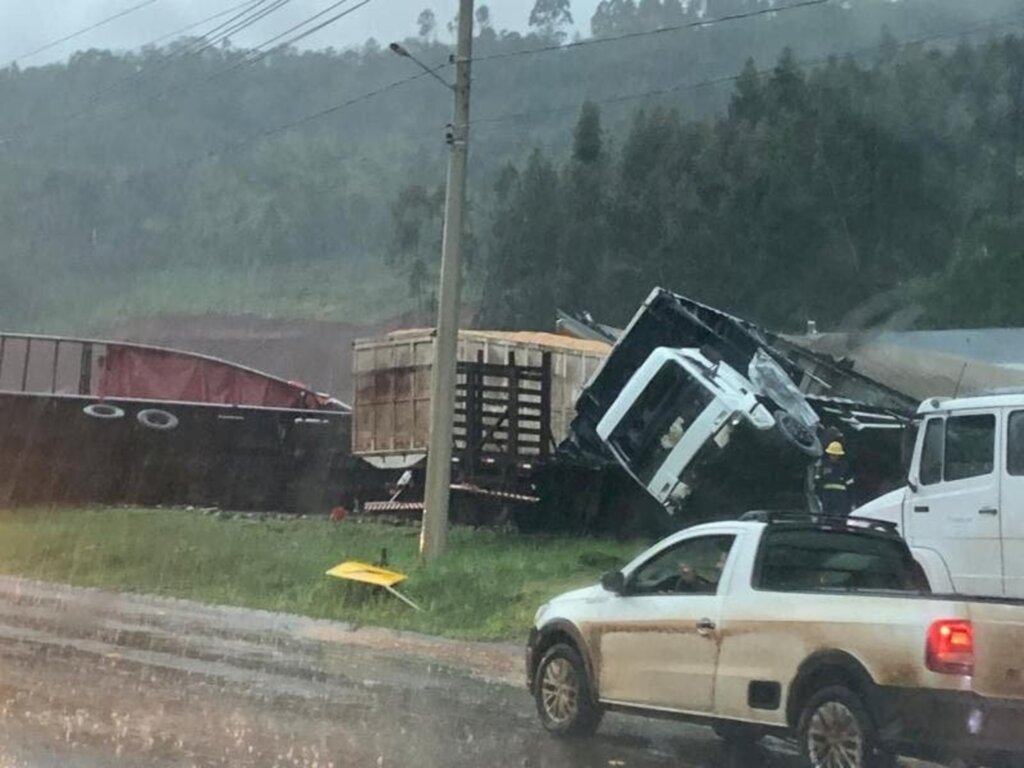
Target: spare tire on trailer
103,411
800,436
158,419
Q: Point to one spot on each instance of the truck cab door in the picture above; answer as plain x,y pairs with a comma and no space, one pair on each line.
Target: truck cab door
953,503
1012,504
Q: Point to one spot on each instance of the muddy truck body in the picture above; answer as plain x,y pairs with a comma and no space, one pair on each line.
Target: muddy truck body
712,414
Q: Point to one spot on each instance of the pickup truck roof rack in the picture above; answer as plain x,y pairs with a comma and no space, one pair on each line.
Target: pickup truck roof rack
789,517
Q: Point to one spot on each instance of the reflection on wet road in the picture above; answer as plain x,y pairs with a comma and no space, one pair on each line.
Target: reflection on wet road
92,679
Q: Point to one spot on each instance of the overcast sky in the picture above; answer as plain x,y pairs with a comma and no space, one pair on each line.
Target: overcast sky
26,26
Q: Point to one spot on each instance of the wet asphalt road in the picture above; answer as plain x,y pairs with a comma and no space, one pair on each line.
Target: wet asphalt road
89,678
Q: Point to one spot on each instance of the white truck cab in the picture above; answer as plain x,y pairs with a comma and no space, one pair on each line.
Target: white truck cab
962,509
674,403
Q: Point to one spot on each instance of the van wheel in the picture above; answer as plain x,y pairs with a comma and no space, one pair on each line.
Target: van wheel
562,693
835,731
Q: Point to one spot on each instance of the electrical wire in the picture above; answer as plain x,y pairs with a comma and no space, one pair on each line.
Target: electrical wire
191,49
249,59
238,144
80,32
241,21
647,33
189,27
711,82
260,55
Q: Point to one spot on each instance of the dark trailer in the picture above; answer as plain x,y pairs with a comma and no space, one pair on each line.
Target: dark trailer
90,421
713,414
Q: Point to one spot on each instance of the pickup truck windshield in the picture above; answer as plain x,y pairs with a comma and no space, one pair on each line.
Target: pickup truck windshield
807,559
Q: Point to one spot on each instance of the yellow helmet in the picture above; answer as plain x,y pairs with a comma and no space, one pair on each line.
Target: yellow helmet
835,448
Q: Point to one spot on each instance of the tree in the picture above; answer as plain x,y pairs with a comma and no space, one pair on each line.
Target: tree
483,17
550,17
427,23
417,216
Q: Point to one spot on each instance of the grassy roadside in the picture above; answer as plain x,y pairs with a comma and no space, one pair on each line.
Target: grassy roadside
487,587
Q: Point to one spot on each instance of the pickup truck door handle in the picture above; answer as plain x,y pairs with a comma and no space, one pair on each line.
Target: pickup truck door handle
921,508
705,627
988,511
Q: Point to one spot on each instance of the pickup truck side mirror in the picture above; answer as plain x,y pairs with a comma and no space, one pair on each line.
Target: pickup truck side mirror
912,484
614,582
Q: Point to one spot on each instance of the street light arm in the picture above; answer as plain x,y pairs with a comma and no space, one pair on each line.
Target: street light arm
400,50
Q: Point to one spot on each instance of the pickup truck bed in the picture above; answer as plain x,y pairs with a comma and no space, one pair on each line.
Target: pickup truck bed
792,613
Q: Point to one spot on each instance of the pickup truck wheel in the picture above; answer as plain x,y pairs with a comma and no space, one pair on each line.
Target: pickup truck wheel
562,693
835,731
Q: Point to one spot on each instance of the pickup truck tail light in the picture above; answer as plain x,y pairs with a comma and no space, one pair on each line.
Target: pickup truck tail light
950,647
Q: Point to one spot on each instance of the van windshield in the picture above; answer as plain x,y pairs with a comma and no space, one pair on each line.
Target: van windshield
658,419
811,560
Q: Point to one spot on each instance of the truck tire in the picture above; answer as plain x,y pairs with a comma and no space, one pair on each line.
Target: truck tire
796,434
562,693
835,729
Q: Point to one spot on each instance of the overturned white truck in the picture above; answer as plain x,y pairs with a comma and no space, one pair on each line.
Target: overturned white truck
714,415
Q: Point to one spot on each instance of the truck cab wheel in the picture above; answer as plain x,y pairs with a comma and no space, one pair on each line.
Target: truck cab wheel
835,731
563,695
797,434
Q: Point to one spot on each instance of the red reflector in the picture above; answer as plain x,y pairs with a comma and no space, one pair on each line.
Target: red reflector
950,647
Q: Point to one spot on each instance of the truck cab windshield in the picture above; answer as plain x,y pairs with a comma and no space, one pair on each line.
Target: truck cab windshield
658,419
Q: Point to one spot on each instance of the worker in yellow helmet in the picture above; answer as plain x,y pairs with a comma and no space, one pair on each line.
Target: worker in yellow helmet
833,481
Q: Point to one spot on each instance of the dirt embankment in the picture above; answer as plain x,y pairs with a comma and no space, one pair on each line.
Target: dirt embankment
316,353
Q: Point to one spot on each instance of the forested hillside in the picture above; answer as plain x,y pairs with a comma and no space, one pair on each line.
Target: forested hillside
164,179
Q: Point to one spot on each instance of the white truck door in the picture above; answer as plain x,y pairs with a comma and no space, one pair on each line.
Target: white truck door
659,641
955,507
1012,506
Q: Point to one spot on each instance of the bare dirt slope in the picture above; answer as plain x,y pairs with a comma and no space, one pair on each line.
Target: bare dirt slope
316,353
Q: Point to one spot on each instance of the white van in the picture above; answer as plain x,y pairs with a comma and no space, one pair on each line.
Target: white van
962,510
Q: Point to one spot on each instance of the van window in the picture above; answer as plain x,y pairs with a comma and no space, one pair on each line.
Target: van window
1015,444
931,452
970,446
659,417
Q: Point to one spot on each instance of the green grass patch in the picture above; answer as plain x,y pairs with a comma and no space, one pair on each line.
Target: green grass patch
487,586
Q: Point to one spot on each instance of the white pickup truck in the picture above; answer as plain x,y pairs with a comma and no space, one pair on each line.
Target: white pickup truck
822,628
962,510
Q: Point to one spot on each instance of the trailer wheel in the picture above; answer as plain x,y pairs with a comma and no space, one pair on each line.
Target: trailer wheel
798,435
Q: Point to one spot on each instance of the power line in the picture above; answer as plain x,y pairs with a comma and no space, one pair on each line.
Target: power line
647,33
301,24
189,27
238,144
235,24
190,49
248,58
262,54
759,73
79,33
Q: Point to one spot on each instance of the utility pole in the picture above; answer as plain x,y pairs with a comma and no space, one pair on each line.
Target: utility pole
434,532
